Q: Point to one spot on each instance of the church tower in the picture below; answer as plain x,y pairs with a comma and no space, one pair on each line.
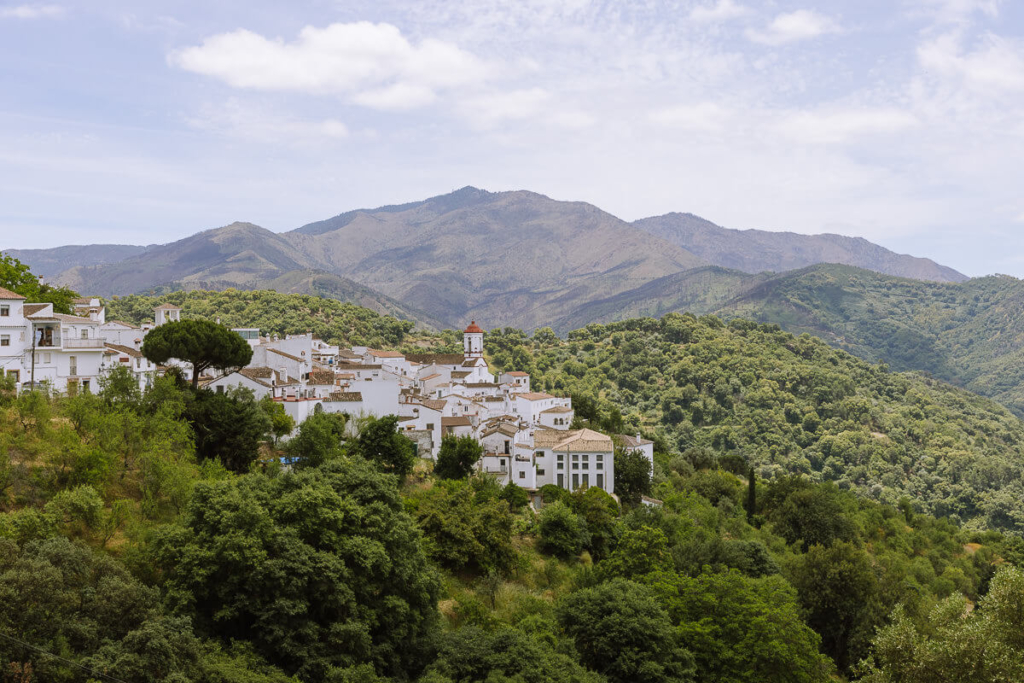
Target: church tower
473,342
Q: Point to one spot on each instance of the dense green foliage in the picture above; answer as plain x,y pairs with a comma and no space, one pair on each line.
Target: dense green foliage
273,313
457,456
321,569
134,545
332,572
967,333
788,404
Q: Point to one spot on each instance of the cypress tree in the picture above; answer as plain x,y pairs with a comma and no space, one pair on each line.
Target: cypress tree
751,494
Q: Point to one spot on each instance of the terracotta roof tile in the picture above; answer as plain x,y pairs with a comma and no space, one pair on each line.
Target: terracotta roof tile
7,294
345,397
384,354
534,396
436,358
134,353
321,377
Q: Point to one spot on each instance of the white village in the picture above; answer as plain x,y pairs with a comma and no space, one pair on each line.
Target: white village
526,435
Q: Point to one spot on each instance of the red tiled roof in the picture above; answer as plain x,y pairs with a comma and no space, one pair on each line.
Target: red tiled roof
135,353
473,329
384,354
436,358
345,397
8,294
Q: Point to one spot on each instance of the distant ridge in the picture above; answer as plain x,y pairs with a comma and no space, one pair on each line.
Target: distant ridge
515,258
756,251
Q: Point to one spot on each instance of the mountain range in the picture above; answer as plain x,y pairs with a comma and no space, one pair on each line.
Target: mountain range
508,258
520,259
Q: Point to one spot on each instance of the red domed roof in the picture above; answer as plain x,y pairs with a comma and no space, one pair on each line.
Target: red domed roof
473,329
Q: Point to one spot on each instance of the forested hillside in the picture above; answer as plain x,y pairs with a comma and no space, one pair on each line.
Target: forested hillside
971,334
788,405
156,538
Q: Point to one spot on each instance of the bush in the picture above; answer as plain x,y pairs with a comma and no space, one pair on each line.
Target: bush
562,532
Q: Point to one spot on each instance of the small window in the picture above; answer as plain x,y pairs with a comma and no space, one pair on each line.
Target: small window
430,426
540,473
522,474
85,386
5,311
5,340
85,334
220,389
600,481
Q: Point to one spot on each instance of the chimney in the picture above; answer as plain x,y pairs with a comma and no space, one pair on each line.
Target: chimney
42,281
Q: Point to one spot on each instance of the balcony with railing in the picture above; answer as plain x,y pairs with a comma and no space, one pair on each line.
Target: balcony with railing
73,344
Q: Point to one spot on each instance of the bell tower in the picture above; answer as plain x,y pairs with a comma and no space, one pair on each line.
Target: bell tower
473,342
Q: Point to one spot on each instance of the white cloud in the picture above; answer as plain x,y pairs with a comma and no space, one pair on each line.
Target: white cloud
704,116
723,10
996,65
792,27
839,125
31,12
373,63
396,97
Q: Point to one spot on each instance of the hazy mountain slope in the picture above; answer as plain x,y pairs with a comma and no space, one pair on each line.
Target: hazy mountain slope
239,254
698,291
754,251
50,262
507,258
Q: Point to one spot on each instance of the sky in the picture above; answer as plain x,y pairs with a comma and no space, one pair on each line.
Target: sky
900,121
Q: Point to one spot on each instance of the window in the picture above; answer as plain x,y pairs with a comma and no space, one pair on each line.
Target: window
85,334
561,463
586,462
5,340
5,311
540,473
575,481
430,426
47,358
522,474
15,375
586,480
85,386
138,362
220,389
600,481
600,463
561,481
73,363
